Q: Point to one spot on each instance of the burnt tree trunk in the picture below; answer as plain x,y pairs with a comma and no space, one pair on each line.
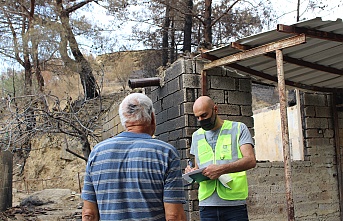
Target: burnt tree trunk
187,33
79,64
208,26
165,36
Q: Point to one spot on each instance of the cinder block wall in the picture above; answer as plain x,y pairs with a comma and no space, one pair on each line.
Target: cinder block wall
314,181
110,120
173,103
6,168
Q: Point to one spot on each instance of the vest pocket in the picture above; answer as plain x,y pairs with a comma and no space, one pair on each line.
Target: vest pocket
205,154
239,187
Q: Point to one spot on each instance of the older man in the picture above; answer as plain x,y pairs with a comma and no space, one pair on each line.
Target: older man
133,176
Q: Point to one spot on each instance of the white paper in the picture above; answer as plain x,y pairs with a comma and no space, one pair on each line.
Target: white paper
225,179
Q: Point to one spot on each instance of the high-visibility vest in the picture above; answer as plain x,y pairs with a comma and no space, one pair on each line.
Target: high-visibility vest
223,154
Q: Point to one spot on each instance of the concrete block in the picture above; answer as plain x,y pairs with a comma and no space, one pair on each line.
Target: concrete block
264,165
198,65
188,66
182,152
187,132
182,95
175,134
229,109
154,95
173,99
314,142
192,121
191,95
217,96
173,143
177,123
275,189
311,133
157,106
248,121
321,123
190,81
314,99
309,111
245,85
329,133
220,82
173,112
323,112
173,85
246,111
163,92
174,70
184,143
237,97
164,137
217,71
161,117
277,164
187,108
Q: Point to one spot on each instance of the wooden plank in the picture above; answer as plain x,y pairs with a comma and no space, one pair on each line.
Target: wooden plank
260,50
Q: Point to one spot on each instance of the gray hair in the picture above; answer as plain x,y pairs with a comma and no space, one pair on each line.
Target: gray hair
135,107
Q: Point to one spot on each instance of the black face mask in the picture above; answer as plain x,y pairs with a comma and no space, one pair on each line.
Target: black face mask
207,124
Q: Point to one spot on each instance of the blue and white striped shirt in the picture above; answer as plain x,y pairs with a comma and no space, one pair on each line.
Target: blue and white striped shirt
131,175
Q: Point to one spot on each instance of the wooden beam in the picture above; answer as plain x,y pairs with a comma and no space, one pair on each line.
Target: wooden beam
285,43
273,78
288,82
291,60
313,33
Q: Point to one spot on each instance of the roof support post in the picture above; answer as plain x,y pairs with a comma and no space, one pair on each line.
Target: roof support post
338,145
285,135
203,83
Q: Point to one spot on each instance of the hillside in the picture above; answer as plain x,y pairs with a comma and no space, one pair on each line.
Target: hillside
49,165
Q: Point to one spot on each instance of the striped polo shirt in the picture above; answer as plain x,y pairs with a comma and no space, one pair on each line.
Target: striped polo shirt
131,175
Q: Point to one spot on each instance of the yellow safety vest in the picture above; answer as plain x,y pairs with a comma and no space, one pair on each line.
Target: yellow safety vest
223,154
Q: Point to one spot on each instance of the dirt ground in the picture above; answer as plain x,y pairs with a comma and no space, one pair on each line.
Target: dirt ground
45,205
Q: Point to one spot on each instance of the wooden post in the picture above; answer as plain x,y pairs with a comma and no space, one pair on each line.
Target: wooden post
285,135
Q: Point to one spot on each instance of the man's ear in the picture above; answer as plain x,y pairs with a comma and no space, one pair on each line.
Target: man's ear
153,119
215,108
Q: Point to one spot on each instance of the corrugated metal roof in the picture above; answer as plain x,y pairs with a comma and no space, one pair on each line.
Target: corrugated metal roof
314,65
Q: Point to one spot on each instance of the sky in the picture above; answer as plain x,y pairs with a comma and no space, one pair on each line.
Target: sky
285,9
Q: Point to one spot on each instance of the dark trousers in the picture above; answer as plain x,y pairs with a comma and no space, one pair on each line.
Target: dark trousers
224,213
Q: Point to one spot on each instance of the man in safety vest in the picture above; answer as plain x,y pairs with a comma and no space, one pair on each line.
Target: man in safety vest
225,149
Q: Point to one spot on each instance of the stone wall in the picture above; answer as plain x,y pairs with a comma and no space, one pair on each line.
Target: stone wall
6,168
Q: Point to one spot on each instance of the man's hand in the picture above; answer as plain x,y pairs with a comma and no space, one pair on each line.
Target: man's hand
189,169
248,161
213,171
90,211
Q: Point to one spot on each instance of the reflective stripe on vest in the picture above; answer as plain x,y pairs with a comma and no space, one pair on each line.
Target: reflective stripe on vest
224,153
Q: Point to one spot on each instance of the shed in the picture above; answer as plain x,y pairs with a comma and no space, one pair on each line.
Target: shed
305,55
